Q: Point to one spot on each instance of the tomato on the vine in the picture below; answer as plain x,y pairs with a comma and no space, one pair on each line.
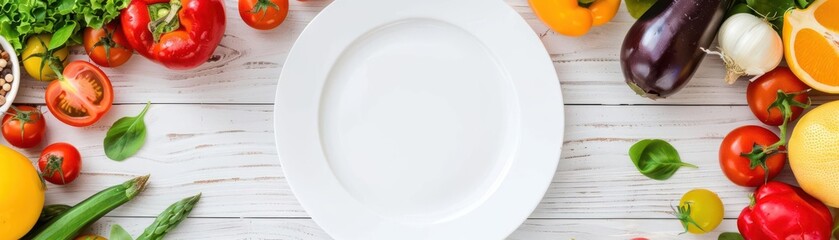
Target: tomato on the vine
24,126
263,14
107,46
60,163
766,101
700,211
744,160
81,96
39,61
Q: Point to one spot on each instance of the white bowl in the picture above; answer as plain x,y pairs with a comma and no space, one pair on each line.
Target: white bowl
10,96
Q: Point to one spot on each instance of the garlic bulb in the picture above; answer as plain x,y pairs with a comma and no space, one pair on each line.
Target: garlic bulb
749,45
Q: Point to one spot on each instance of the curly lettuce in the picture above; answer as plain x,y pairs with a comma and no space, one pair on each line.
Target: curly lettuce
20,19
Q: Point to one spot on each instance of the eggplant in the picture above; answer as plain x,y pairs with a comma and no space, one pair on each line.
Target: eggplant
662,50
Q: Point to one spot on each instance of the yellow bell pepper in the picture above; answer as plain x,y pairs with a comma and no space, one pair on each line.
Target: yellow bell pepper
21,194
567,17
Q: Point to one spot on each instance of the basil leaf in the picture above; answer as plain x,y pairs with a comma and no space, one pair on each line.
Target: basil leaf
656,159
730,236
62,35
119,233
126,136
637,8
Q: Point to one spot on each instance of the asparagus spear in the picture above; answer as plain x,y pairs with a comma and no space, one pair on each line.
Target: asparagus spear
169,218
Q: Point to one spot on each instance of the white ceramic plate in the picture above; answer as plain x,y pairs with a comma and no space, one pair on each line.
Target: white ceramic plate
405,119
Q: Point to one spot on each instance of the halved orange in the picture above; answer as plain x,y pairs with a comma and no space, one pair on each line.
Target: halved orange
811,44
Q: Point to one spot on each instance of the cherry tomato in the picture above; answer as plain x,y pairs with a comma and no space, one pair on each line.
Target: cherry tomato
742,170
60,163
82,97
263,14
24,126
107,46
763,92
700,211
90,237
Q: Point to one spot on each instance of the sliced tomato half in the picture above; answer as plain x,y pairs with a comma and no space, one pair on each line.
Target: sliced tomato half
82,96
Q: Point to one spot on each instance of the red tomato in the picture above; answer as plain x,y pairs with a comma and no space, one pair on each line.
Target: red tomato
763,92
263,14
742,170
82,96
24,126
107,46
60,163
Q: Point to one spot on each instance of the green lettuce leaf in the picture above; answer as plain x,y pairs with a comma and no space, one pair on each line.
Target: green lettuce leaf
20,19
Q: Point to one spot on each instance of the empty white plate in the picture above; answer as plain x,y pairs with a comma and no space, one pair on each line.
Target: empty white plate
405,119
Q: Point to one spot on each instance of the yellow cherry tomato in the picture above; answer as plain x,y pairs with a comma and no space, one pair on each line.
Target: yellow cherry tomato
700,211
35,51
569,18
90,237
21,194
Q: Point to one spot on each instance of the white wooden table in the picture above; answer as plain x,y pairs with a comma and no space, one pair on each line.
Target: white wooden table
210,130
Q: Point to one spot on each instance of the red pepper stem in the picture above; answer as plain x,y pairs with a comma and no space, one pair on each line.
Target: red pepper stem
163,16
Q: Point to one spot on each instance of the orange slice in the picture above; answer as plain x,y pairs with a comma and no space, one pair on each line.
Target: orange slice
811,44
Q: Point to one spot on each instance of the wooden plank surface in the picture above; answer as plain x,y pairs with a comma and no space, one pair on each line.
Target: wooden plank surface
247,64
306,229
227,152
211,131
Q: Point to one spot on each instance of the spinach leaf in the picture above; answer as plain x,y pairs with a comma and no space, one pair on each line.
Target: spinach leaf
656,159
126,136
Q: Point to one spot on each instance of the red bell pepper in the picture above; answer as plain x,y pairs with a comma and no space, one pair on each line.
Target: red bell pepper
180,34
781,211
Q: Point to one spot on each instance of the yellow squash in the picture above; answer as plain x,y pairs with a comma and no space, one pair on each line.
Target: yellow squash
21,194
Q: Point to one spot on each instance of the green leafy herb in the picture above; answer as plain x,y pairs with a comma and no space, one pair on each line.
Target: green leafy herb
60,37
126,136
119,233
97,13
772,10
804,3
637,8
730,236
739,8
656,159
